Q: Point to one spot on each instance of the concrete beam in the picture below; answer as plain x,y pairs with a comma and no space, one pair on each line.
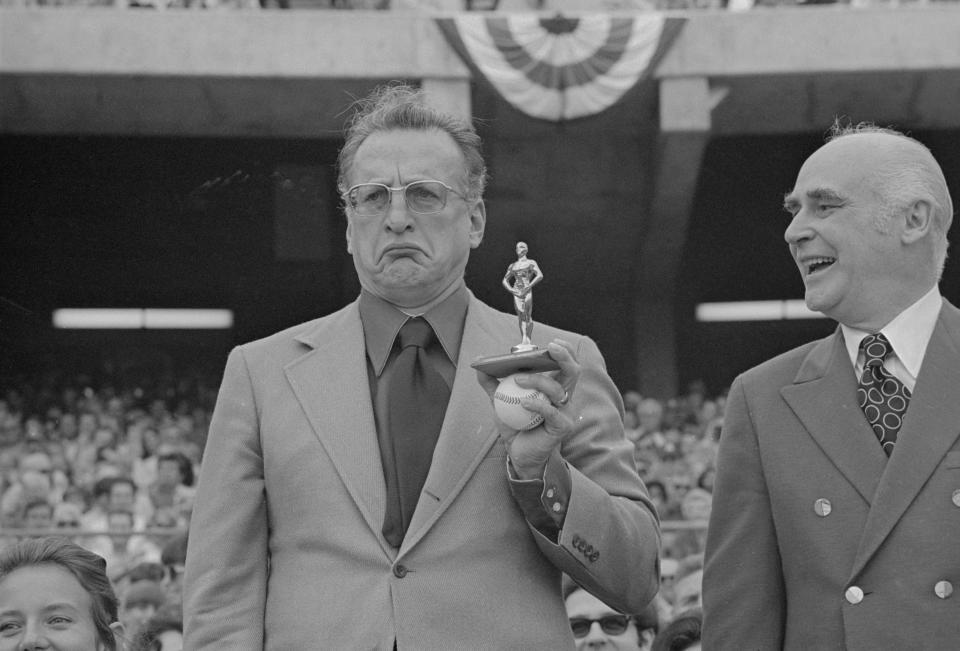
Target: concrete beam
275,44
811,40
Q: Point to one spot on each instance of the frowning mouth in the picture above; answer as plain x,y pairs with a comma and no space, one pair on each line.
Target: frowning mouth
400,251
814,265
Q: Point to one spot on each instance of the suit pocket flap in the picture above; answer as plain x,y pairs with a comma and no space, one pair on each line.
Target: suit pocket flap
953,459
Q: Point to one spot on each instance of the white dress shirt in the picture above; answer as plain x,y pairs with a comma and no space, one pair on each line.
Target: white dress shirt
908,333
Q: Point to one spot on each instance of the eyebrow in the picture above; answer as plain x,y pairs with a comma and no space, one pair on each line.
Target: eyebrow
791,200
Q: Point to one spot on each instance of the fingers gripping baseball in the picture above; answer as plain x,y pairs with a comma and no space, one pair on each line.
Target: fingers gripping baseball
530,409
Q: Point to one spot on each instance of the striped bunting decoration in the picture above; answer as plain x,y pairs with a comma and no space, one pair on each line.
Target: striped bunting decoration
561,68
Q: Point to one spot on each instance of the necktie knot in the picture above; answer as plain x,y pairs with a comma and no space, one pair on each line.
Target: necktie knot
415,332
875,349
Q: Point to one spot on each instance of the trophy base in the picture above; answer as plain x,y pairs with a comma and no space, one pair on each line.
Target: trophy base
537,360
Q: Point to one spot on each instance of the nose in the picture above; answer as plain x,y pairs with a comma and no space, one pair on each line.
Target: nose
398,215
798,230
595,636
33,639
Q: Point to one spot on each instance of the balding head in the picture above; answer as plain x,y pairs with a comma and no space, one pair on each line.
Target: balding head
905,172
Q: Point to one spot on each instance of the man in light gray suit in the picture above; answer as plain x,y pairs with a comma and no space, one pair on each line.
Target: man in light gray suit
326,518
836,512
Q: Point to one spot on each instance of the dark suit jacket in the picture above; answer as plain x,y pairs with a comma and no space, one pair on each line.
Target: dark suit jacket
780,567
286,550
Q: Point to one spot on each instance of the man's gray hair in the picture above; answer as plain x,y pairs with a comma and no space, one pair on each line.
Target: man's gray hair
916,176
399,106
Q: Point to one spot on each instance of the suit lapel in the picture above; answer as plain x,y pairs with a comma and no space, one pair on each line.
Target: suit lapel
468,429
930,428
331,384
840,429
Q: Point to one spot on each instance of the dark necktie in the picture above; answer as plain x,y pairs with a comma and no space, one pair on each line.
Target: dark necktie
883,398
417,397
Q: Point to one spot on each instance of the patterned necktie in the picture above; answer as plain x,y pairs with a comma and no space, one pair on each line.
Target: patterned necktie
417,398
883,398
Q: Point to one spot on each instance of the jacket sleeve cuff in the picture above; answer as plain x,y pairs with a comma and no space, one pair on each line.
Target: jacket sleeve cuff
543,501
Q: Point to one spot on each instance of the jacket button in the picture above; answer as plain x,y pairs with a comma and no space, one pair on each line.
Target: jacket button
822,507
943,589
854,594
400,571
956,497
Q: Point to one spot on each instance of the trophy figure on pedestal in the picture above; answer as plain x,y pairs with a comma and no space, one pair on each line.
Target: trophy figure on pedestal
525,356
520,279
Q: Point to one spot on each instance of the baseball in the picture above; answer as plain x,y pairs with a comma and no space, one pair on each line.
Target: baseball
506,402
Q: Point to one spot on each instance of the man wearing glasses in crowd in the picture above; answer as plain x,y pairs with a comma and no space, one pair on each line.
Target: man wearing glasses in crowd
597,626
357,490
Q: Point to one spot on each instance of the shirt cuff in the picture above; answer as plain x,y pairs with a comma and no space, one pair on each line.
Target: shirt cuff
543,501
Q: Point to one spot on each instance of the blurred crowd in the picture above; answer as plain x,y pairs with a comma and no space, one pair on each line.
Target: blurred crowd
111,466
111,463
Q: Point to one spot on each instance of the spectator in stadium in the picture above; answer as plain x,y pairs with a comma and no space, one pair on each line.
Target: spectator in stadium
67,516
141,601
122,548
55,594
164,632
38,517
681,634
172,493
31,484
95,518
688,584
842,454
597,626
304,467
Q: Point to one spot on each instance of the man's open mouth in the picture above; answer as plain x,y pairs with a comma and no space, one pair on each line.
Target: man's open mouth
818,264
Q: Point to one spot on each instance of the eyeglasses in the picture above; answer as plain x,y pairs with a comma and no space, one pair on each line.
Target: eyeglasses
421,197
609,624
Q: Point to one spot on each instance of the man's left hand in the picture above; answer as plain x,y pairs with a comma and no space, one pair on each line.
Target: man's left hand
530,449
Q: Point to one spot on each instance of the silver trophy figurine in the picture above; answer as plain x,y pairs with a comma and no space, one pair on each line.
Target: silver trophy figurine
525,356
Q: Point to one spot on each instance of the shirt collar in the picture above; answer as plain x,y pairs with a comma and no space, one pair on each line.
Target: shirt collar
382,321
909,332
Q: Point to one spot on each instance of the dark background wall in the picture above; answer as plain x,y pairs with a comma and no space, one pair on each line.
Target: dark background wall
254,225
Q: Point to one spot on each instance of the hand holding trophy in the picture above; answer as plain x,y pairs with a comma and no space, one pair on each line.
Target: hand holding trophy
525,357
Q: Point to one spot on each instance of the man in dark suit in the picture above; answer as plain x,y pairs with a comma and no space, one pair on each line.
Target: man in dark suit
836,513
335,511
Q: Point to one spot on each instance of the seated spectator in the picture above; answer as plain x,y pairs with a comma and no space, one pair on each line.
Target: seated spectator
682,634
32,483
67,516
121,496
141,601
696,505
595,625
122,548
38,518
658,495
172,493
95,518
162,633
650,429
45,580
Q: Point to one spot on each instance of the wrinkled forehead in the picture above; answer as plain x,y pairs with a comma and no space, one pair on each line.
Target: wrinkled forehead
410,154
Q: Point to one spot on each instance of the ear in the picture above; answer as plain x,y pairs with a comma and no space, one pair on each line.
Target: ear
646,638
118,637
349,235
918,222
478,222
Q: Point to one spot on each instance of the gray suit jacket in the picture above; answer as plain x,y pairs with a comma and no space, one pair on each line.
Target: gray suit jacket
286,549
779,567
